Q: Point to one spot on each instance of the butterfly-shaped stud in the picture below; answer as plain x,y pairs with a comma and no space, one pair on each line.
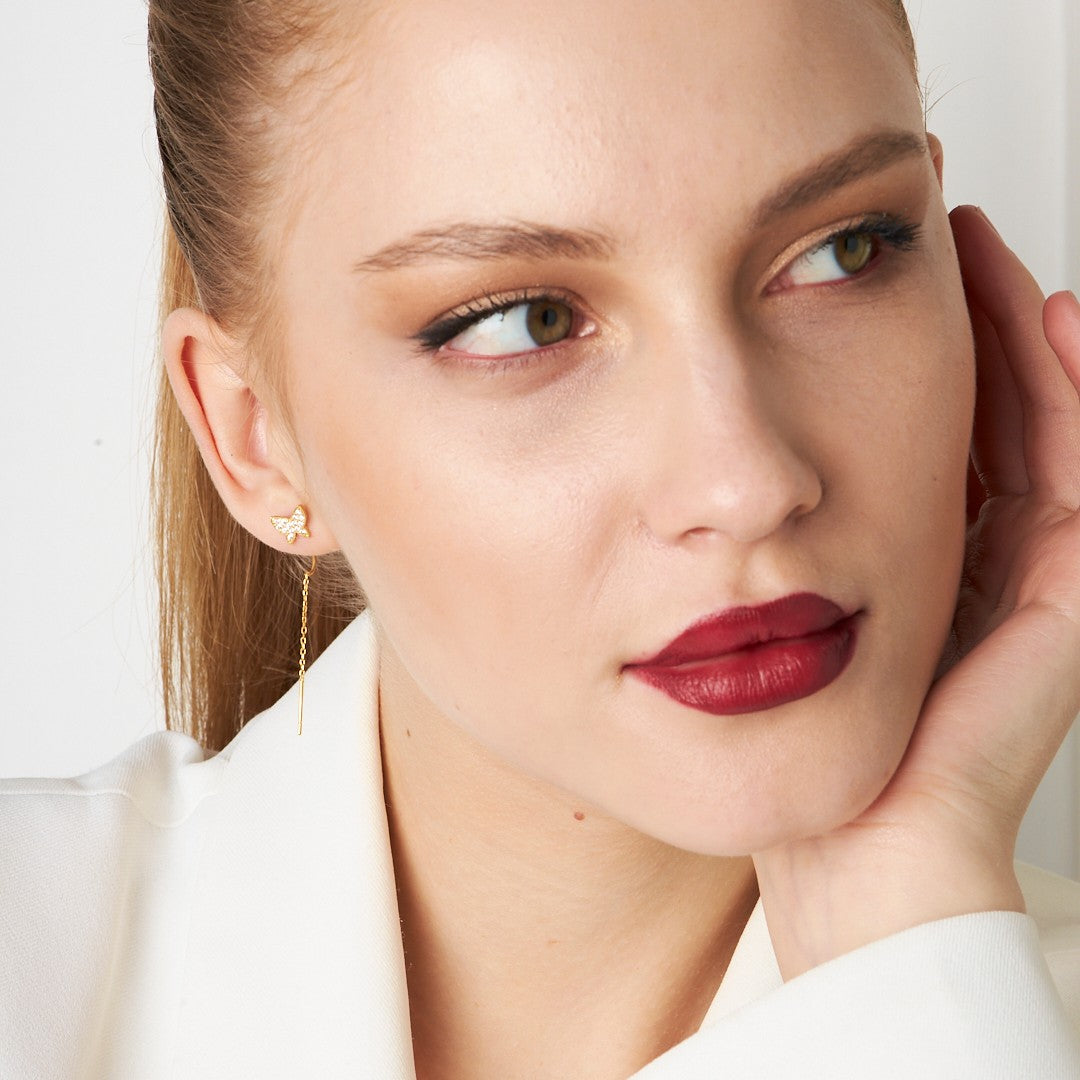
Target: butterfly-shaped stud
292,527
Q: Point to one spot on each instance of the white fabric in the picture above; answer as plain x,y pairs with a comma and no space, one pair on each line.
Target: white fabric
173,916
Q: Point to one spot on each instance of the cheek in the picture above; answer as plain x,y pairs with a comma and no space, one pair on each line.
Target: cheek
895,437
477,530
908,463
929,445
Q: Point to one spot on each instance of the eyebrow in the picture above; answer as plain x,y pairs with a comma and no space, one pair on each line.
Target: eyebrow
869,154
470,241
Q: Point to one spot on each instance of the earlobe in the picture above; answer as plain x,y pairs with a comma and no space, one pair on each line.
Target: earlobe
230,427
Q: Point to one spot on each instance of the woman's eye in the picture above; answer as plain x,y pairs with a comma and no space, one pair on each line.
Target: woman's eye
840,257
520,328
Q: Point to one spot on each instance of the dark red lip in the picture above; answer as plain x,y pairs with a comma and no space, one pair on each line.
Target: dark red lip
748,659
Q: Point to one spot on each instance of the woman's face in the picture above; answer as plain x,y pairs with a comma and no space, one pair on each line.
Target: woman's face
696,396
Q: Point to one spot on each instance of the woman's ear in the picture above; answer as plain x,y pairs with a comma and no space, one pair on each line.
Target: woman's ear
254,476
937,155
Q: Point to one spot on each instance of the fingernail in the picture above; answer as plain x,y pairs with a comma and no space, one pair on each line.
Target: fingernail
982,214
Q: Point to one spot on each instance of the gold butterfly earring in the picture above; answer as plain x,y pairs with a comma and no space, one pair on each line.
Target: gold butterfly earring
291,527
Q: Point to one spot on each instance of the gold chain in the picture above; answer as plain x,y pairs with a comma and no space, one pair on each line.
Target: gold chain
303,641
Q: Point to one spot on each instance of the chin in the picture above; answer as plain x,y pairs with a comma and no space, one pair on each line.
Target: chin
780,809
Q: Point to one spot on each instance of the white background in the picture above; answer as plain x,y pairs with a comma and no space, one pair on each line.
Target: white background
79,207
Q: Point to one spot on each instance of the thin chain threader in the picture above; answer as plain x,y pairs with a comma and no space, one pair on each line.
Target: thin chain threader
303,641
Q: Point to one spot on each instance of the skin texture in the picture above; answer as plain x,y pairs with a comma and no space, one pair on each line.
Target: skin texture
714,433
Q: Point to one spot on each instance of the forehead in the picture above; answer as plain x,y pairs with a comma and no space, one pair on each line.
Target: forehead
594,112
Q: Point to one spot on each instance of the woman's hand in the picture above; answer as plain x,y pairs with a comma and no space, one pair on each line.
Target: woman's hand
939,840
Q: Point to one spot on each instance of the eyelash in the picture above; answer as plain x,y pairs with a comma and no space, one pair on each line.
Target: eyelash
434,336
895,231
888,231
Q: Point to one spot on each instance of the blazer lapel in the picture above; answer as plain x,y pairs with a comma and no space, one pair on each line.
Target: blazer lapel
295,963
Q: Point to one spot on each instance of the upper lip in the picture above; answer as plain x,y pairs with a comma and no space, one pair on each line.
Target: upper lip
738,628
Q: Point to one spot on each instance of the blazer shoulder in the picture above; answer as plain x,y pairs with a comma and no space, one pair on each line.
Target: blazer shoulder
99,877
161,779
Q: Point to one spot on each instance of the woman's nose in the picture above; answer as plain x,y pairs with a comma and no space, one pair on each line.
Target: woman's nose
724,457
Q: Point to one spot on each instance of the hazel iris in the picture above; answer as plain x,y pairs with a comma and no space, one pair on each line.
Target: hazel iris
854,251
548,321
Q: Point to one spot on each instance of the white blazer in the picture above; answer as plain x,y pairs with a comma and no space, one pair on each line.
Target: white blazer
179,916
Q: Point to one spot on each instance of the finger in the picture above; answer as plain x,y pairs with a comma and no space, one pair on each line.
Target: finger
1061,323
1001,286
1008,705
997,442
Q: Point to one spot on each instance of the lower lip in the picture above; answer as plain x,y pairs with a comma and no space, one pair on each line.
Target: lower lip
760,677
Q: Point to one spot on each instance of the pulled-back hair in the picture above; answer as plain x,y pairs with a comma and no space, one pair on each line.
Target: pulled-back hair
229,604
223,71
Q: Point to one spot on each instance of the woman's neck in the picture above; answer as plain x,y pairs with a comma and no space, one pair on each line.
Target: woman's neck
541,938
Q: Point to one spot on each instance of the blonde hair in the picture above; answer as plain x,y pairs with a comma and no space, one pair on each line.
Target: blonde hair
229,604
224,71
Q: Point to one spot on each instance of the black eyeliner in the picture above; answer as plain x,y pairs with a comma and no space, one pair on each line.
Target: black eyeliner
438,333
